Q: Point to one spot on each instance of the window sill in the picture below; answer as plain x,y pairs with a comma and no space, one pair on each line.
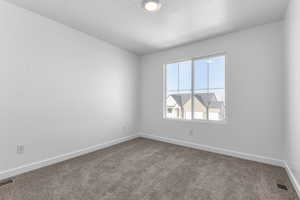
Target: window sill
196,121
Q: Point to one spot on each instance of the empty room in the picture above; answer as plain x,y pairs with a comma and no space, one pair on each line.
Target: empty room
149,100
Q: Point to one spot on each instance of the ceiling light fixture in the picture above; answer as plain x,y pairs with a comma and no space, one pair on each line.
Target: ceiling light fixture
152,5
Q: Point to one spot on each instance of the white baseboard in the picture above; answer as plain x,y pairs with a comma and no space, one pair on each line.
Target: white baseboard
36,165
246,156
227,152
50,161
293,179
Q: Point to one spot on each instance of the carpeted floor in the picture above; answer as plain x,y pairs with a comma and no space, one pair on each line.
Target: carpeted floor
143,169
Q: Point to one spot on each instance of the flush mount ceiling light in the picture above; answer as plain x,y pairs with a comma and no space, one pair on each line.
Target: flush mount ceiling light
152,5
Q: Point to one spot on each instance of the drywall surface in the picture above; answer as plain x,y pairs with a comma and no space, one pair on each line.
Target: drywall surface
61,90
292,66
254,86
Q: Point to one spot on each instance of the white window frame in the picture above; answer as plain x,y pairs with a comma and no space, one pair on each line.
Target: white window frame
225,120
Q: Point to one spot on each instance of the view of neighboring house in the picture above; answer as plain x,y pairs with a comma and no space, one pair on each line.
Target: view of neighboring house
206,106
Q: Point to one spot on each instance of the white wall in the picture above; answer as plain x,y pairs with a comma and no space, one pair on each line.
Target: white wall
254,93
292,66
60,90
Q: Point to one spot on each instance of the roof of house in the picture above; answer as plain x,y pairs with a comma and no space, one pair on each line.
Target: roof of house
218,104
207,99
181,99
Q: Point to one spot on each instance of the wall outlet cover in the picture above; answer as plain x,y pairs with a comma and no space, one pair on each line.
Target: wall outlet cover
20,149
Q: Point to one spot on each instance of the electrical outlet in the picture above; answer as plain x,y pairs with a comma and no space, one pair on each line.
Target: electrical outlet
20,149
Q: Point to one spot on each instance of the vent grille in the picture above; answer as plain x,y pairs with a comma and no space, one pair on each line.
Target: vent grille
282,187
6,182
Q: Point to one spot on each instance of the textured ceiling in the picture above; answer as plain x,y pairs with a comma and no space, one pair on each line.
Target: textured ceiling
125,24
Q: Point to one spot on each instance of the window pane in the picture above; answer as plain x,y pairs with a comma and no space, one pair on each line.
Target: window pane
217,72
178,90
172,77
185,72
209,88
200,89
217,88
200,75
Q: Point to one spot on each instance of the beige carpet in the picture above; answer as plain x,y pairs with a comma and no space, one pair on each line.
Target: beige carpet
143,169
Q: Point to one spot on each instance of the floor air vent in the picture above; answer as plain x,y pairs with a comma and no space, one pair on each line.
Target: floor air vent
282,187
6,182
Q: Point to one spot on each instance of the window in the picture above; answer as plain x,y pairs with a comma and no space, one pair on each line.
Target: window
195,89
